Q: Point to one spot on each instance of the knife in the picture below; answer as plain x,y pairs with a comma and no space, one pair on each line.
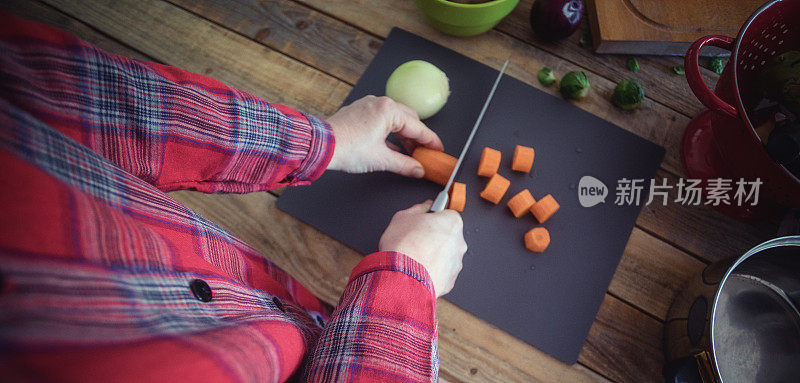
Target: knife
441,199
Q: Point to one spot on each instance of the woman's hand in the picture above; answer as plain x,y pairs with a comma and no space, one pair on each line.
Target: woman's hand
435,240
361,129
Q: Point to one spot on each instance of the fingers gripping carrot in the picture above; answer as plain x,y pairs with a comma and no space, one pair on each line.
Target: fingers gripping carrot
438,165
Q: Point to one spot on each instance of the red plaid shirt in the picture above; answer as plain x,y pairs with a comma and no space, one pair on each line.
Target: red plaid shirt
103,277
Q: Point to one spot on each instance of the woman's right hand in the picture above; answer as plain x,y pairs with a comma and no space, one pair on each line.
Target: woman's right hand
435,240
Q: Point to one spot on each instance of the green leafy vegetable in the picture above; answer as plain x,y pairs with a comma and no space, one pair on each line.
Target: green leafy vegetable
628,94
678,70
574,85
586,39
633,65
716,65
546,76
780,80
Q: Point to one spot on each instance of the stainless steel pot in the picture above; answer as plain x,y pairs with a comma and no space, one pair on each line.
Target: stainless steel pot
739,320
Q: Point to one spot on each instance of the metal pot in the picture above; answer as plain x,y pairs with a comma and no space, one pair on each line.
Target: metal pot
739,320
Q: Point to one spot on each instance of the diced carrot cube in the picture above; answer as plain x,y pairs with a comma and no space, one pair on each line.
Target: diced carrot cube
523,159
490,162
544,208
537,239
495,189
521,203
458,197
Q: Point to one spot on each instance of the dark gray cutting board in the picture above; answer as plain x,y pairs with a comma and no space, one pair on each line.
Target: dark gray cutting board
548,300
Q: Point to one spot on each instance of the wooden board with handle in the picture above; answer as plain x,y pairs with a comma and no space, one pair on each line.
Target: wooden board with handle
663,27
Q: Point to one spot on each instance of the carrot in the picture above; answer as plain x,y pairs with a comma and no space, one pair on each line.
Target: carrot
438,165
495,189
490,162
521,203
458,197
537,239
545,208
523,159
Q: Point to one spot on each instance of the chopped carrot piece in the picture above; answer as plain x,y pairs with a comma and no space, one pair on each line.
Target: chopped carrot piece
495,189
523,159
545,208
537,239
438,165
490,162
521,203
458,197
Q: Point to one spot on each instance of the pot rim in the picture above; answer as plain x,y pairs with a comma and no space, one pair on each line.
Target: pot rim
790,240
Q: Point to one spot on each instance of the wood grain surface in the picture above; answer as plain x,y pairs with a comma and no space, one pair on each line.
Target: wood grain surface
264,47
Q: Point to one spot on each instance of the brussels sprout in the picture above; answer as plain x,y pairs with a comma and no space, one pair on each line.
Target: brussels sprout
628,94
586,40
633,65
716,65
574,85
780,80
546,76
678,70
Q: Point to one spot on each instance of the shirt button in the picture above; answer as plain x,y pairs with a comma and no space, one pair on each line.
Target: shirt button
278,303
201,290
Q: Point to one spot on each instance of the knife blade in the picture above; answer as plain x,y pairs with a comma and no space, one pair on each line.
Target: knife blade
441,199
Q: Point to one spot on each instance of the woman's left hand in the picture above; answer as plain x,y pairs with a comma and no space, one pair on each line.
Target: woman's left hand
361,129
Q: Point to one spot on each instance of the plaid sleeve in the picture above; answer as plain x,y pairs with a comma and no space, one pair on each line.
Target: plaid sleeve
384,328
171,128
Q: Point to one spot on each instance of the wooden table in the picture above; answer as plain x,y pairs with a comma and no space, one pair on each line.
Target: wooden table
309,53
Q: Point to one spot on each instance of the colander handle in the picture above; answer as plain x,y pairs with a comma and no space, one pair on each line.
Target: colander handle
696,82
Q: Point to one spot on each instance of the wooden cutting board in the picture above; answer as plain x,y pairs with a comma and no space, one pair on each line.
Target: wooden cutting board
665,27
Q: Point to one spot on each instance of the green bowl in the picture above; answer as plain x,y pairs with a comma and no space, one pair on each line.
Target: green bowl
465,19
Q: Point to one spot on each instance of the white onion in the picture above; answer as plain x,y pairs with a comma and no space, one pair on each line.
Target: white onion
419,85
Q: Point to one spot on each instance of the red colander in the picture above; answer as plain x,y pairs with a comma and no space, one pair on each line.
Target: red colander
722,142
